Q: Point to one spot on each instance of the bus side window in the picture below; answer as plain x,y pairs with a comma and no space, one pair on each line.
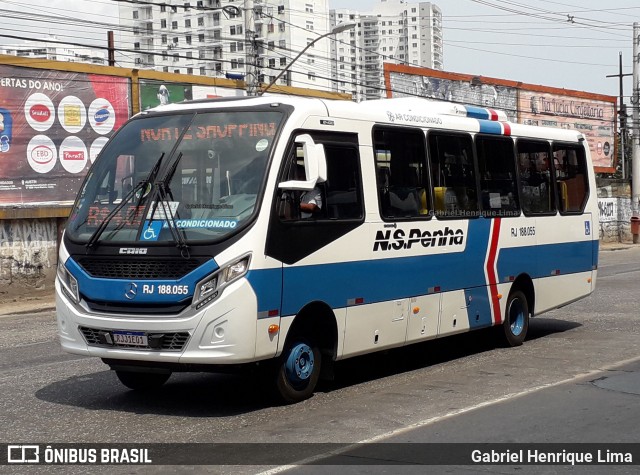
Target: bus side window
534,170
497,168
402,178
571,177
453,174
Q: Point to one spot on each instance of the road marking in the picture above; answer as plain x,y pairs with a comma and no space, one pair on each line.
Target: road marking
433,420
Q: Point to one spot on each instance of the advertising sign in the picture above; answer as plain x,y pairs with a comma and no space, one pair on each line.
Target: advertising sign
155,93
594,115
462,92
53,124
595,119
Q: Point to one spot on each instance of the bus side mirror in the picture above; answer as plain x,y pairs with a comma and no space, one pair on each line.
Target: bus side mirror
315,165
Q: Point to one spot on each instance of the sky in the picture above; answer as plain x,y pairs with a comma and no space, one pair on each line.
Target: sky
571,44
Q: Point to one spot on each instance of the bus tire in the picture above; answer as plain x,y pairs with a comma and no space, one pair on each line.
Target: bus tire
516,319
141,381
298,371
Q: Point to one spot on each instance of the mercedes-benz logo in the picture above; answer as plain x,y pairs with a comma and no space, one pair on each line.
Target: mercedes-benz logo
132,291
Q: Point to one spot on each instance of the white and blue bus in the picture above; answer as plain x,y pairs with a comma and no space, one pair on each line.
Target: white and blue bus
187,248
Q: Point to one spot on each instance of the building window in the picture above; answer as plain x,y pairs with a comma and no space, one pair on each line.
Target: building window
272,62
280,9
283,61
135,14
189,70
201,38
202,71
163,39
309,25
174,25
175,58
189,54
201,21
163,23
187,23
165,69
136,45
308,8
281,26
188,39
234,64
271,45
163,8
311,76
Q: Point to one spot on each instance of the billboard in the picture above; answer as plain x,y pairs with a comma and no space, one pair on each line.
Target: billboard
595,119
154,93
500,97
52,126
594,115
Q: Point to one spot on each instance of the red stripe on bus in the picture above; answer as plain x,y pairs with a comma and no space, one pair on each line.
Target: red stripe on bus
491,272
493,114
507,128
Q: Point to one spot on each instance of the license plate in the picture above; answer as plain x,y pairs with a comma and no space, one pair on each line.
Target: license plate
130,338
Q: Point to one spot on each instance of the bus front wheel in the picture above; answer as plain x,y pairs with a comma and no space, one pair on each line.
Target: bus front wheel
298,371
141,381
516,319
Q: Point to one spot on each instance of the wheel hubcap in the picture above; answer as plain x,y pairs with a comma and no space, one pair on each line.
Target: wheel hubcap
300,363
516,317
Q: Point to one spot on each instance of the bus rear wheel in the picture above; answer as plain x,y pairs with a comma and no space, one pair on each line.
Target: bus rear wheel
516,319
298,371
141,381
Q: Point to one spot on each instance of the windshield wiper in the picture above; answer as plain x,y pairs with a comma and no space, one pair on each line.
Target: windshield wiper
139,187
164,194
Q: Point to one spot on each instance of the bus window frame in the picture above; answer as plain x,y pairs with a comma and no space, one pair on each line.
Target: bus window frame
554,197
577,146
427,175
324,138
474,163
486,213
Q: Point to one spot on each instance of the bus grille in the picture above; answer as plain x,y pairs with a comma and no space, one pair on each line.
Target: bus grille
171,341
137,269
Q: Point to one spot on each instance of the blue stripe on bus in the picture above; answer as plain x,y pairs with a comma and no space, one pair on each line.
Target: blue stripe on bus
388,279
490,127
114,290
477,112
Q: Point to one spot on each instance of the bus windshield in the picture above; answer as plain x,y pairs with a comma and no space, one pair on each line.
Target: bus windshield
187,177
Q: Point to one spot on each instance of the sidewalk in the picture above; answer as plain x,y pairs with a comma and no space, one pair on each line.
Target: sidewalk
43,301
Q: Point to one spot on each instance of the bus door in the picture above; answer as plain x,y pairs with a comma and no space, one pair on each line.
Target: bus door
323,260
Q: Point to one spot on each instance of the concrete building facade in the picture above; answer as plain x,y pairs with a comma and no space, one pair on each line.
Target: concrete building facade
395,31
221,38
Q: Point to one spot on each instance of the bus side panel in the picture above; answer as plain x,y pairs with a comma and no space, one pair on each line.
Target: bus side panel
565,256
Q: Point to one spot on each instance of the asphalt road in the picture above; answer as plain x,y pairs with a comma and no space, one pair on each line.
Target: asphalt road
574,380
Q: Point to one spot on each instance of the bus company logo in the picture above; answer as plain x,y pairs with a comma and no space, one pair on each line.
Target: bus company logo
133,250
386,241
42,154
102,115
73,155
40,112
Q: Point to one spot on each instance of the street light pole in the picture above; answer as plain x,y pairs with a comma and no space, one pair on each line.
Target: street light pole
334,31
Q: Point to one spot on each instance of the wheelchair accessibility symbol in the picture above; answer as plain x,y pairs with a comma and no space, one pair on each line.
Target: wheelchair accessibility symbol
151,231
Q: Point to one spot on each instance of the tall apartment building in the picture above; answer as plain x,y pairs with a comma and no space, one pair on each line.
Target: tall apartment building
395,31
55,51
221,37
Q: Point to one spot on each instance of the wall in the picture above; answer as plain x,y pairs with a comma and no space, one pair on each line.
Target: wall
28,256
614,201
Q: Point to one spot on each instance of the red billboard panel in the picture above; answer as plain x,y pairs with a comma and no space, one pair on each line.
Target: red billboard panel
52,126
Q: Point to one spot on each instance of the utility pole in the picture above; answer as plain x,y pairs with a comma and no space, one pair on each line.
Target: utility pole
622,113
251,47
111,49
635,171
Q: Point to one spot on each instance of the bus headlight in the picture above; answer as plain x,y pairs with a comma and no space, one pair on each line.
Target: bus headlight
69,283
211,287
